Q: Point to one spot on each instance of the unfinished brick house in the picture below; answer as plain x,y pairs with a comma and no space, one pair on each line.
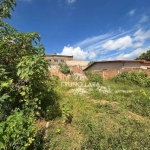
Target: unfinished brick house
113,67
75,66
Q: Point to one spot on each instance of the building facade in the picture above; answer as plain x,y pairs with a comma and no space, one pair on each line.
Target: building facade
55,59
117,65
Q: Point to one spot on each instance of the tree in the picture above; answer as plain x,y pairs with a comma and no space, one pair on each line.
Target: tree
144,56
26,91
5,7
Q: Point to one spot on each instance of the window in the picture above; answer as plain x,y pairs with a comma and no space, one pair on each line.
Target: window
62,61
49,60
55,60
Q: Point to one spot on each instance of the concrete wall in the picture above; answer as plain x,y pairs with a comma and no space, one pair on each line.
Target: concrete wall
82,64
113,65
131,64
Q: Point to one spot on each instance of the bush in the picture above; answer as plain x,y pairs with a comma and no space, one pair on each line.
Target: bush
136,77
53,111
94,77
18,131
64,68
147,82
122,77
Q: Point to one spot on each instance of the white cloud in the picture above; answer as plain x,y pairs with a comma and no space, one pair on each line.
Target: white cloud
77,52
141,35
95,43
133,54
71,1
92,40
121,43
132,12
126,45
143,19
92,55
138,44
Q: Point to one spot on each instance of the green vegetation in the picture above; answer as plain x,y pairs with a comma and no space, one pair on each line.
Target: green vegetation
64,68
112,116
144,56
134,77
26,89
94,77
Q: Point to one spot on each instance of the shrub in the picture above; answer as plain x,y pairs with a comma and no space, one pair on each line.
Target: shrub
64,68
67,112
136,77
18,131
39,142
147,82
94,77
53,111
122,77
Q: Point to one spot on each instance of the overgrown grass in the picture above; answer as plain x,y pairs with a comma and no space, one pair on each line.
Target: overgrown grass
112,117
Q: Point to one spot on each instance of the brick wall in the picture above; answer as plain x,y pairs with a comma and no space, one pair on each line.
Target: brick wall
105,73
78,73
130,69
76,69
111,73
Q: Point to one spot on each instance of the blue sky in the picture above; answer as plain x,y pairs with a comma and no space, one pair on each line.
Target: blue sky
87,29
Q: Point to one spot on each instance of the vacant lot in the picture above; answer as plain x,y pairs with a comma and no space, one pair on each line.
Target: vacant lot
109,117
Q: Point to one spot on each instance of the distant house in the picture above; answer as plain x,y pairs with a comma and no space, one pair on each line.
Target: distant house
117,65
55,59
76,67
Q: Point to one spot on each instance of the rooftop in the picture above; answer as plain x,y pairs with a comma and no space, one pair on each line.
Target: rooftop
58,55
141,61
